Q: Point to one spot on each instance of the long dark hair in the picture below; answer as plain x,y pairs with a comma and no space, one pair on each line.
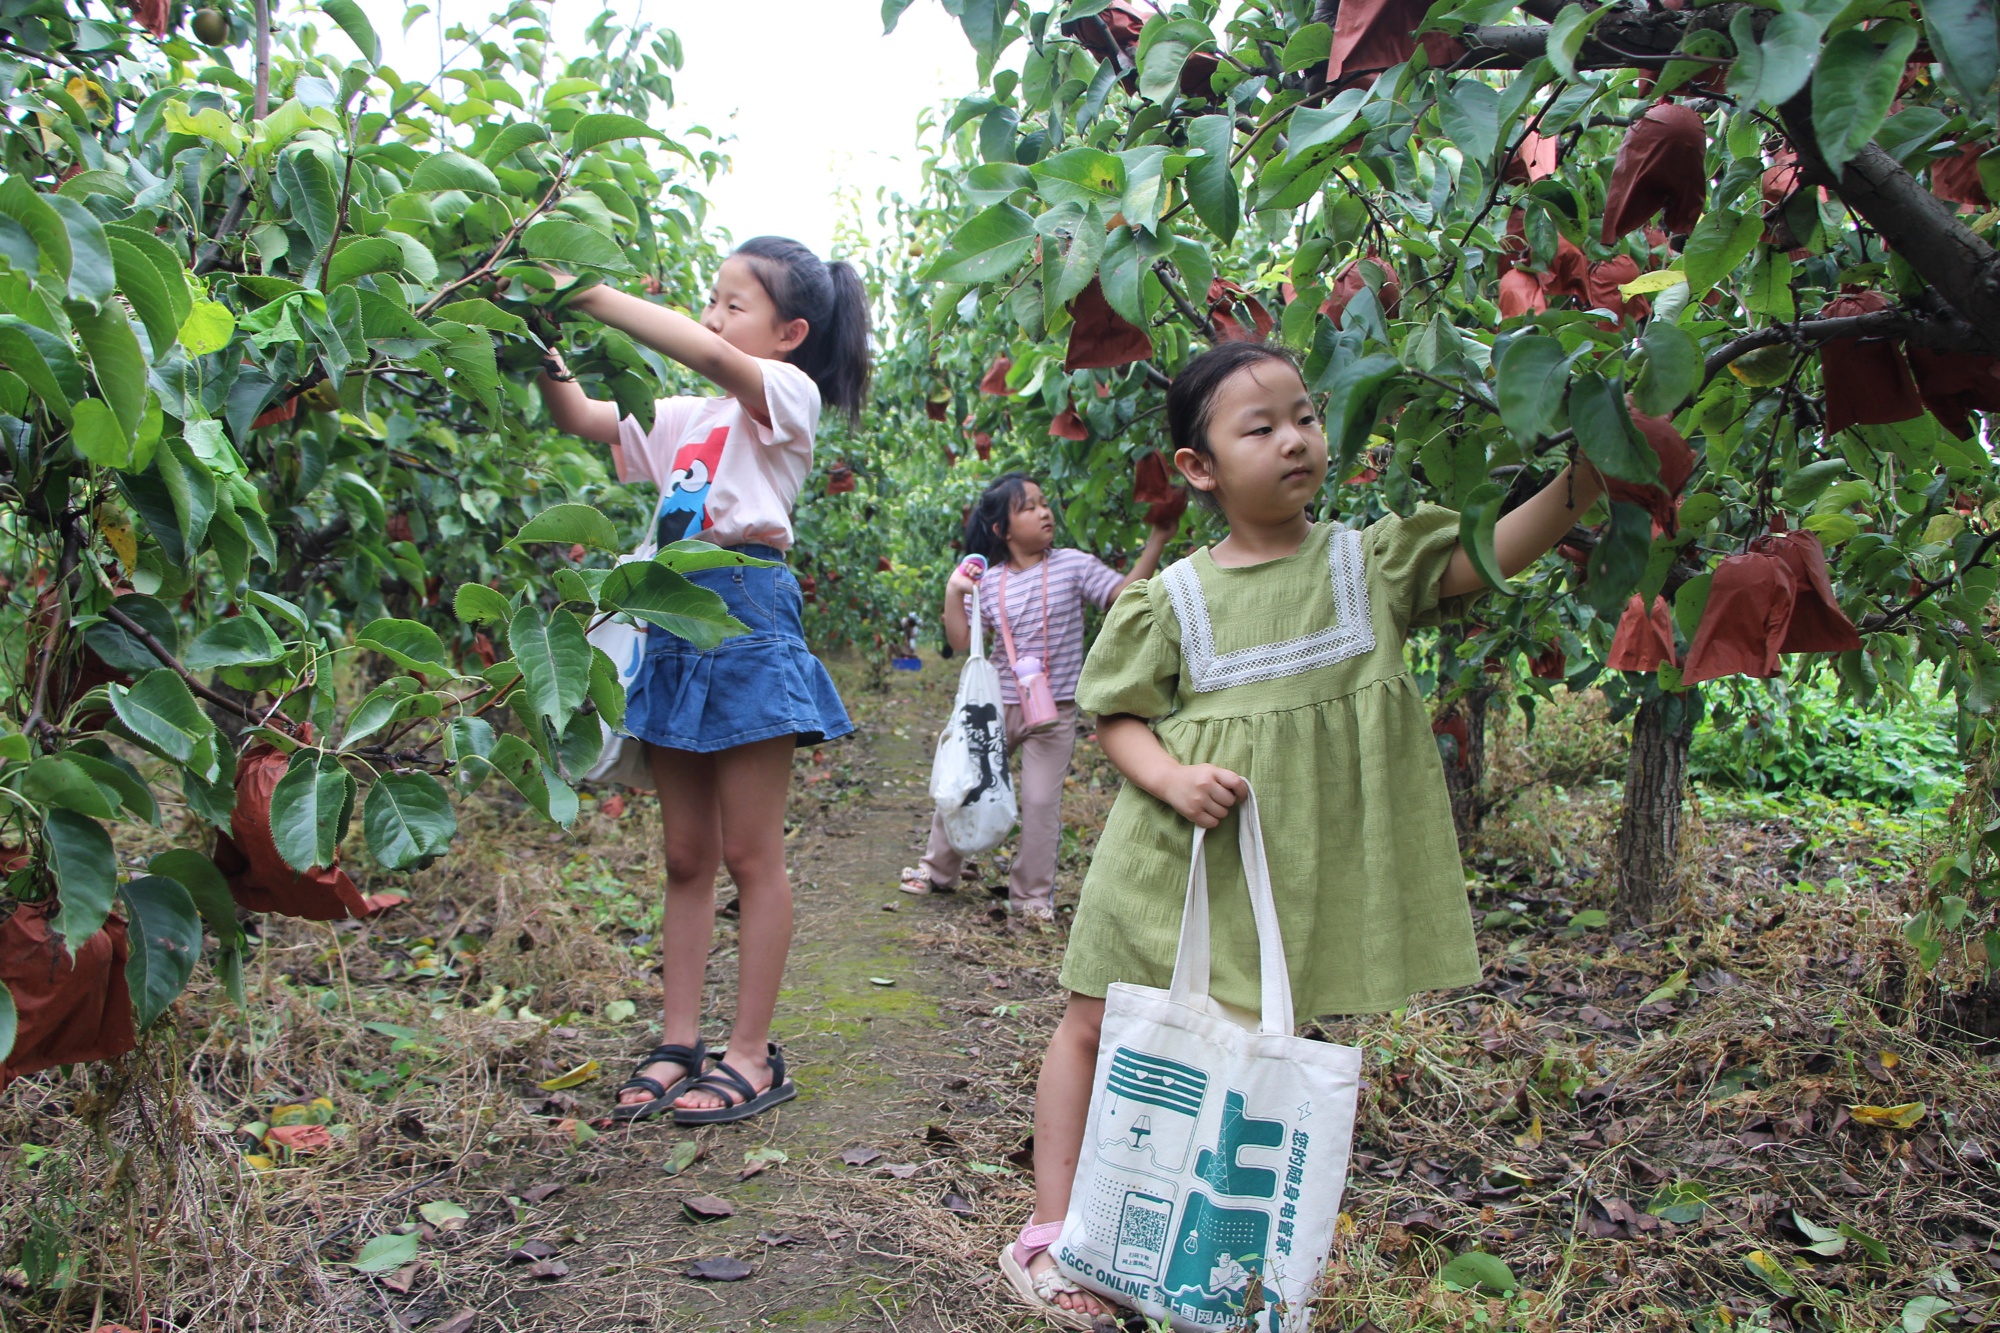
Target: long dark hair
1191,397
986,526
834,305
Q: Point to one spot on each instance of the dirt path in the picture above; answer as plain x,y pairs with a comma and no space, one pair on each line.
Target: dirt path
881,1030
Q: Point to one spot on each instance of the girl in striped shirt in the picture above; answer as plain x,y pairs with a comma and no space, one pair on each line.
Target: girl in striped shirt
1037,590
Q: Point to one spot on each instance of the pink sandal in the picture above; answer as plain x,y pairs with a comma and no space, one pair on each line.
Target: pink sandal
1041,1289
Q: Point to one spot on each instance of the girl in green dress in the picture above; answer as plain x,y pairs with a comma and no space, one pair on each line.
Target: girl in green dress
1273,658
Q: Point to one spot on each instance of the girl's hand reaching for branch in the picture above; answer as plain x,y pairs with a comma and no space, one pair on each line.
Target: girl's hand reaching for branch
1202,793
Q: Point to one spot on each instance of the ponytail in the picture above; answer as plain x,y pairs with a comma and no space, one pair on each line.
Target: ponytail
834,305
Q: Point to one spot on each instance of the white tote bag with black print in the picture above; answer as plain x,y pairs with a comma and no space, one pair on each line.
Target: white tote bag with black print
623,640
969,779
1215,1154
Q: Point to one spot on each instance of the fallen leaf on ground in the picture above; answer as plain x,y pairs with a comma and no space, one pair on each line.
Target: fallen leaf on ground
384,1253
533,1249
1889,1117
378,903
403,1278
583,1073
901,1170
299,1138
881,981
779,1238
707,1208
722,1269
758,1160
1772,1272
461,1322
681,1156
444,1215
861,1156
537,1193
958,1203
611,806
620,1011
939,1134
548,1268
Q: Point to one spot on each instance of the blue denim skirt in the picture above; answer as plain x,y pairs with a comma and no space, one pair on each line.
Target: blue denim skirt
753,687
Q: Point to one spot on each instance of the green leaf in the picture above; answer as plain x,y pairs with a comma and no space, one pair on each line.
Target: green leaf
484,314
140,283
1721,240
161,712
243,640
517,761
206,886
606,127
1080,176
408,819
120,650
1673,369
1476,520
361,256
20,201
569,525
98,436
452,170
1211,181
606,691
1618,561
1773,1273
208,328
554,657
1477,1270
477,604
1566,37
355,24
21,351
1966,38
1307,48
568,244
86,874
406,643
660,596
1470,114
1772,70
113,773
115,360
52,780
92,275
10,1023
1530,386
385,1254
990,246
1604,428
1804,485
309,194
1855,85
1353,395
309,810
1164,46
165,940
191,487
167,266
892,10
1067,273
511,139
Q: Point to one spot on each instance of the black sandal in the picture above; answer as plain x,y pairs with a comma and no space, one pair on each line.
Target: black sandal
725,1081
690,1058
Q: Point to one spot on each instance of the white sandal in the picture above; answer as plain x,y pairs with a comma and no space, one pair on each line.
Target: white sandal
915,881
1041,1289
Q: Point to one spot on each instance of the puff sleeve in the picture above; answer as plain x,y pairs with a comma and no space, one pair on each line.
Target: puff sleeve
1406,559
1135,665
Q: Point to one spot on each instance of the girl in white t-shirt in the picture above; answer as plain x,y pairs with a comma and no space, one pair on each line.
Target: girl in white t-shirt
782,333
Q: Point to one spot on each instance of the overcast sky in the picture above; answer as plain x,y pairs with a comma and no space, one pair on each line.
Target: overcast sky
821,106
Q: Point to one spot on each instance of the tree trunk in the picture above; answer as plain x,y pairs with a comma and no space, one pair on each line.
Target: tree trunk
1649,831
1465,775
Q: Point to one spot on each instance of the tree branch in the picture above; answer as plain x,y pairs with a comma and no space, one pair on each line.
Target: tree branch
1878,621
167,659
1944,335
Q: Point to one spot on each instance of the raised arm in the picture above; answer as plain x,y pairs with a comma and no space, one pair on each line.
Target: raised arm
674,335
1520,537
957,625
1148,562
575,412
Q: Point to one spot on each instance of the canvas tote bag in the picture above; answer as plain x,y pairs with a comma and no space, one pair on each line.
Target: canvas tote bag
970,783
623,639
1214,1155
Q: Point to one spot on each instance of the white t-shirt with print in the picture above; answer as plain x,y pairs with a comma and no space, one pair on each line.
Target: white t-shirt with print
725,477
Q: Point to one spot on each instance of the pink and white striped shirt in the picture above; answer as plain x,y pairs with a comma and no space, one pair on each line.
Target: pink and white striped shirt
1074,577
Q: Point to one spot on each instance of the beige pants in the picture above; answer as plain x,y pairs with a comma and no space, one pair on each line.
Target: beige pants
1044,754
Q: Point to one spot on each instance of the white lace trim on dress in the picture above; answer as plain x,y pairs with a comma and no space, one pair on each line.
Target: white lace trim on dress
1351,634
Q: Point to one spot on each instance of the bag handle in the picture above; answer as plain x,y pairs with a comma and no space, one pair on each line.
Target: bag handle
978,644
1191,963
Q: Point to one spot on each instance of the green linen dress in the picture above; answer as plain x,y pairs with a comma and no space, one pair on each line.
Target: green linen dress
1291,673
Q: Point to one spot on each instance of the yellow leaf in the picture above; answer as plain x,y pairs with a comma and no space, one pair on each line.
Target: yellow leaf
1657,281
261,1162
293,1113
1773,1273
1764,367
1889,1117
89,95
1533,1137
1889,1059
583,1073
117,530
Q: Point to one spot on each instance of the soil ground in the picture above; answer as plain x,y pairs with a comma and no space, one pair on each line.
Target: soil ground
1688,1127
